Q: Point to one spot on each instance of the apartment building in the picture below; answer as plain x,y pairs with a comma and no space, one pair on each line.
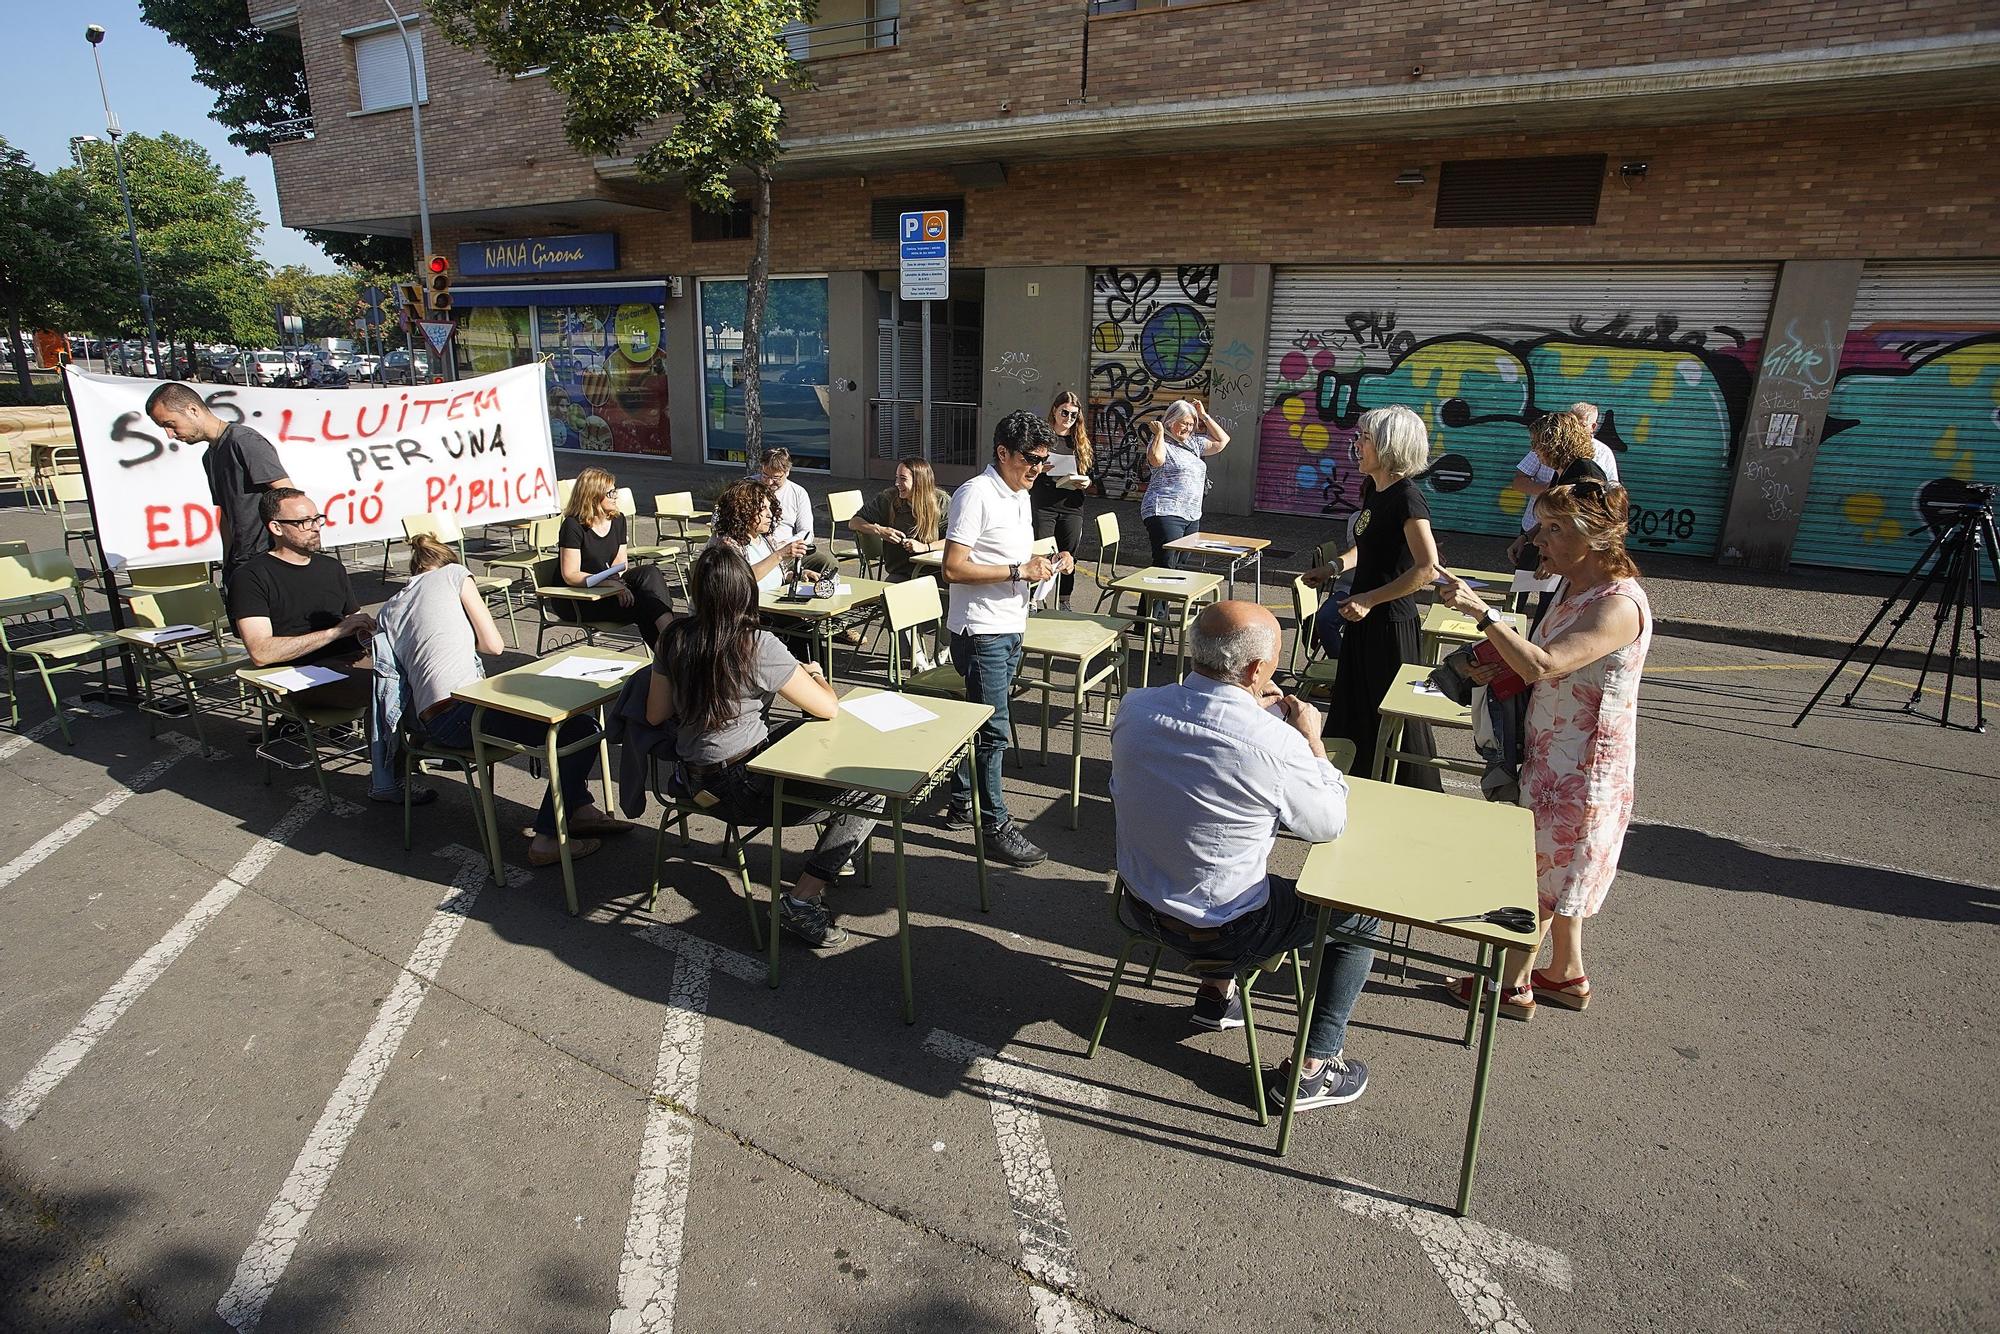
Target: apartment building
1761,237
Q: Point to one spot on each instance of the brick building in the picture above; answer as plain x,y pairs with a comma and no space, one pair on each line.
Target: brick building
1761,236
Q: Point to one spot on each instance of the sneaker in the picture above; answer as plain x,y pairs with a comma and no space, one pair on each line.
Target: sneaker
1006,844
957,818
1216,1014
1341,1079
809,920
419,795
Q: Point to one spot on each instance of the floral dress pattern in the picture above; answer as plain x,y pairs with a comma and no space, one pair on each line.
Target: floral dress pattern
1582,742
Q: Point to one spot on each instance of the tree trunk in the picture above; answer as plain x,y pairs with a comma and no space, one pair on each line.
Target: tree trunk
756,292
21,370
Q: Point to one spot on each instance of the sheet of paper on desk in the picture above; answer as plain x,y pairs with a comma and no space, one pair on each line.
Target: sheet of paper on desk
609,572
1424,687
1526,581
888,713
1166,578
580,668
303,678
171,634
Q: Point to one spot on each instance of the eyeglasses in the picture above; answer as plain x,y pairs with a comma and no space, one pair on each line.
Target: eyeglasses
311,521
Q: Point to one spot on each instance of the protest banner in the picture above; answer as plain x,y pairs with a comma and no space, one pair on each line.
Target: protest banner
478,450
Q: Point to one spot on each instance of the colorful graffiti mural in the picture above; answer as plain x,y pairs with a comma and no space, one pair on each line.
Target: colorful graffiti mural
1150,339
1914,412
1672,404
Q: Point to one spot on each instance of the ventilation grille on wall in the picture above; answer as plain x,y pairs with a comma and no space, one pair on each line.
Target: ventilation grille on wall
1521,192
882,214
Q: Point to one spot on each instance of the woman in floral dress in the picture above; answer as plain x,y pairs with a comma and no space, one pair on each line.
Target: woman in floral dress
1583,663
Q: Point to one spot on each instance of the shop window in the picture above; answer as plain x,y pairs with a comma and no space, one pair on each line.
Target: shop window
382,70
794,370
607,381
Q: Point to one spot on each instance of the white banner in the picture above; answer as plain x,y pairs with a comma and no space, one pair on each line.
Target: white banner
478,450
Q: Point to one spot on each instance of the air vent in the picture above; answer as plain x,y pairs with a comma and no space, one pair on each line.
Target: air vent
882,214
733,225
1521,192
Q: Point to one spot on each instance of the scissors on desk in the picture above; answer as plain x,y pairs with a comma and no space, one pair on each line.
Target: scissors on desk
1513,919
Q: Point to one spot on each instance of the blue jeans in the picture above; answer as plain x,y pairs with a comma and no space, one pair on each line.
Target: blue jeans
988,664
1284,922
1164,528
453,728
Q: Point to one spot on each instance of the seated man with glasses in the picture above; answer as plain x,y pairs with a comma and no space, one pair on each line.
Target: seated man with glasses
989,558
293,603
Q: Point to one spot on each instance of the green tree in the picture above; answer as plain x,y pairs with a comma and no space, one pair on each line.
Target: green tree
715,66
325,302
198,234
56,258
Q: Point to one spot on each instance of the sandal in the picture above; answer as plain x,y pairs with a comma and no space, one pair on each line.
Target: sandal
1566,994
600,827
579,848
1513,1004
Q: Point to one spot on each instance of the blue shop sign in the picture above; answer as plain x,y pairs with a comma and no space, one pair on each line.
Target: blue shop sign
538,254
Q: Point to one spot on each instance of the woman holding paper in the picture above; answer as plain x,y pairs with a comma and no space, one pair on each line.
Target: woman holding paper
438,628
591,550
745,514
715,674
1393,556
1583,664
1184,440
1059,490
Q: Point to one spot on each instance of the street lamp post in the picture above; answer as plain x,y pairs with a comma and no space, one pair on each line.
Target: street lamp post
417,137
94,34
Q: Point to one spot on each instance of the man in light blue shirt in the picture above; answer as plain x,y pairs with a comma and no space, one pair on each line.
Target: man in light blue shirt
1203,773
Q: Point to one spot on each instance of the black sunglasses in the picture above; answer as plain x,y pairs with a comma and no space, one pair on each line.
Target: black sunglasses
1040,460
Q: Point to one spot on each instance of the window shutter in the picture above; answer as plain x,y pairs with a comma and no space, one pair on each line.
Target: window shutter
382,72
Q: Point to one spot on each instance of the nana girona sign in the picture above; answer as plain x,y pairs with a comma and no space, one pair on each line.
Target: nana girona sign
477,450
584,252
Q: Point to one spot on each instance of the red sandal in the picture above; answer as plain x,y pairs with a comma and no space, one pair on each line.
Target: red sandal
1460,991
1562,993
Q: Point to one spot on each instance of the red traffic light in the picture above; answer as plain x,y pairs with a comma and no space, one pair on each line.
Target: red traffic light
438,264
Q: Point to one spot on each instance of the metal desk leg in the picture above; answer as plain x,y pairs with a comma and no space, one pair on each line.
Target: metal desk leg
777,872
603,768
1497,961
1387,736
1305,1024
492,823
1257,577
1478,993
562,824
978,825
903,914
1146,652
1076,743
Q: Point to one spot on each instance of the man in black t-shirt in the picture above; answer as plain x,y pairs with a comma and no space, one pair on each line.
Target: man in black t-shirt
241,466
294,604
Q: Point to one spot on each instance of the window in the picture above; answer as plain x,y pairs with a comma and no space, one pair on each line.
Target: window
793,378
733,225
883,213
383,72
1521,192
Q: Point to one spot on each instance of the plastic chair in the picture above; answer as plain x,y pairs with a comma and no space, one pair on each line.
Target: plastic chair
345,726
910,608
868,550
190,664
72,503
1245,976
445,529
46,583
167,578
415,753
560,606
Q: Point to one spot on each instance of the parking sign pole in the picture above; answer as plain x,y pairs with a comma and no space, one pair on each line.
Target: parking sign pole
926,407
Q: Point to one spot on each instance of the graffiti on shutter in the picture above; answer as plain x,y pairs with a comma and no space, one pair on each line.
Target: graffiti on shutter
1151,333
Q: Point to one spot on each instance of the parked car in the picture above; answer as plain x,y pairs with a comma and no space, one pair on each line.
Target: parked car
395,368
364,367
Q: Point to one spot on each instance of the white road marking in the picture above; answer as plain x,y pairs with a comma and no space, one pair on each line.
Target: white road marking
1032,1190
14,745
66,1055
55,840
1465,1254
284,1225
649,1271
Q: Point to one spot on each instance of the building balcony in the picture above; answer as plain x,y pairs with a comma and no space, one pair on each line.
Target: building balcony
843,37
293,130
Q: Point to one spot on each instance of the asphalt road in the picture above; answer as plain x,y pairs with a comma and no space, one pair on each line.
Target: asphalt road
257,1067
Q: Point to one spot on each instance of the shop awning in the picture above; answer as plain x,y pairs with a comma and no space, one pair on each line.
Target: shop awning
646,292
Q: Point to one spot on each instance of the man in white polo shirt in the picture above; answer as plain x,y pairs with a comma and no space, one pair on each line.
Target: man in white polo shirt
989,557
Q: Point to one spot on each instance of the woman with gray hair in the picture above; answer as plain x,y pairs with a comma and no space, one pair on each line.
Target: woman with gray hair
1393,557
1183,442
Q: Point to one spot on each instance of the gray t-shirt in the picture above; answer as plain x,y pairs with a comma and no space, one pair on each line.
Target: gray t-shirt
771,667
427,624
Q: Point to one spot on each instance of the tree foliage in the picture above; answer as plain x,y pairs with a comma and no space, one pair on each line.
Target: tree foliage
56,258
705,75
198,234
259,78
324,302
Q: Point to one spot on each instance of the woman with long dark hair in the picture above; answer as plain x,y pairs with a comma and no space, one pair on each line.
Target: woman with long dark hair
745,514
715,673
1060,488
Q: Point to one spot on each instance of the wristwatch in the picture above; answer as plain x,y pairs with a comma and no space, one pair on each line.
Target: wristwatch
1014,573
1490,617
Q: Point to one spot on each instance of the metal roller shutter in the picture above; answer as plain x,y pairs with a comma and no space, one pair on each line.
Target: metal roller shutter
1915,404
1667,353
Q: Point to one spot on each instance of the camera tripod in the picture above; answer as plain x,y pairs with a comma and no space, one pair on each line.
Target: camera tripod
1962,528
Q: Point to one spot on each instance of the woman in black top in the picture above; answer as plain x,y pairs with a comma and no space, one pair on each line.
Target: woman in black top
1393,556
592,540
1058,494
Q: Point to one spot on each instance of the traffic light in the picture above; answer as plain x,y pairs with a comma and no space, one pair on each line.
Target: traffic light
440,287
410,296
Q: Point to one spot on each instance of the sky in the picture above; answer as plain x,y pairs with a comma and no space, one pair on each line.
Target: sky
52,94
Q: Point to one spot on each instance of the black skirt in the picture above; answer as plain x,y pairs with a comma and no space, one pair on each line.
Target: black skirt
1372,651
